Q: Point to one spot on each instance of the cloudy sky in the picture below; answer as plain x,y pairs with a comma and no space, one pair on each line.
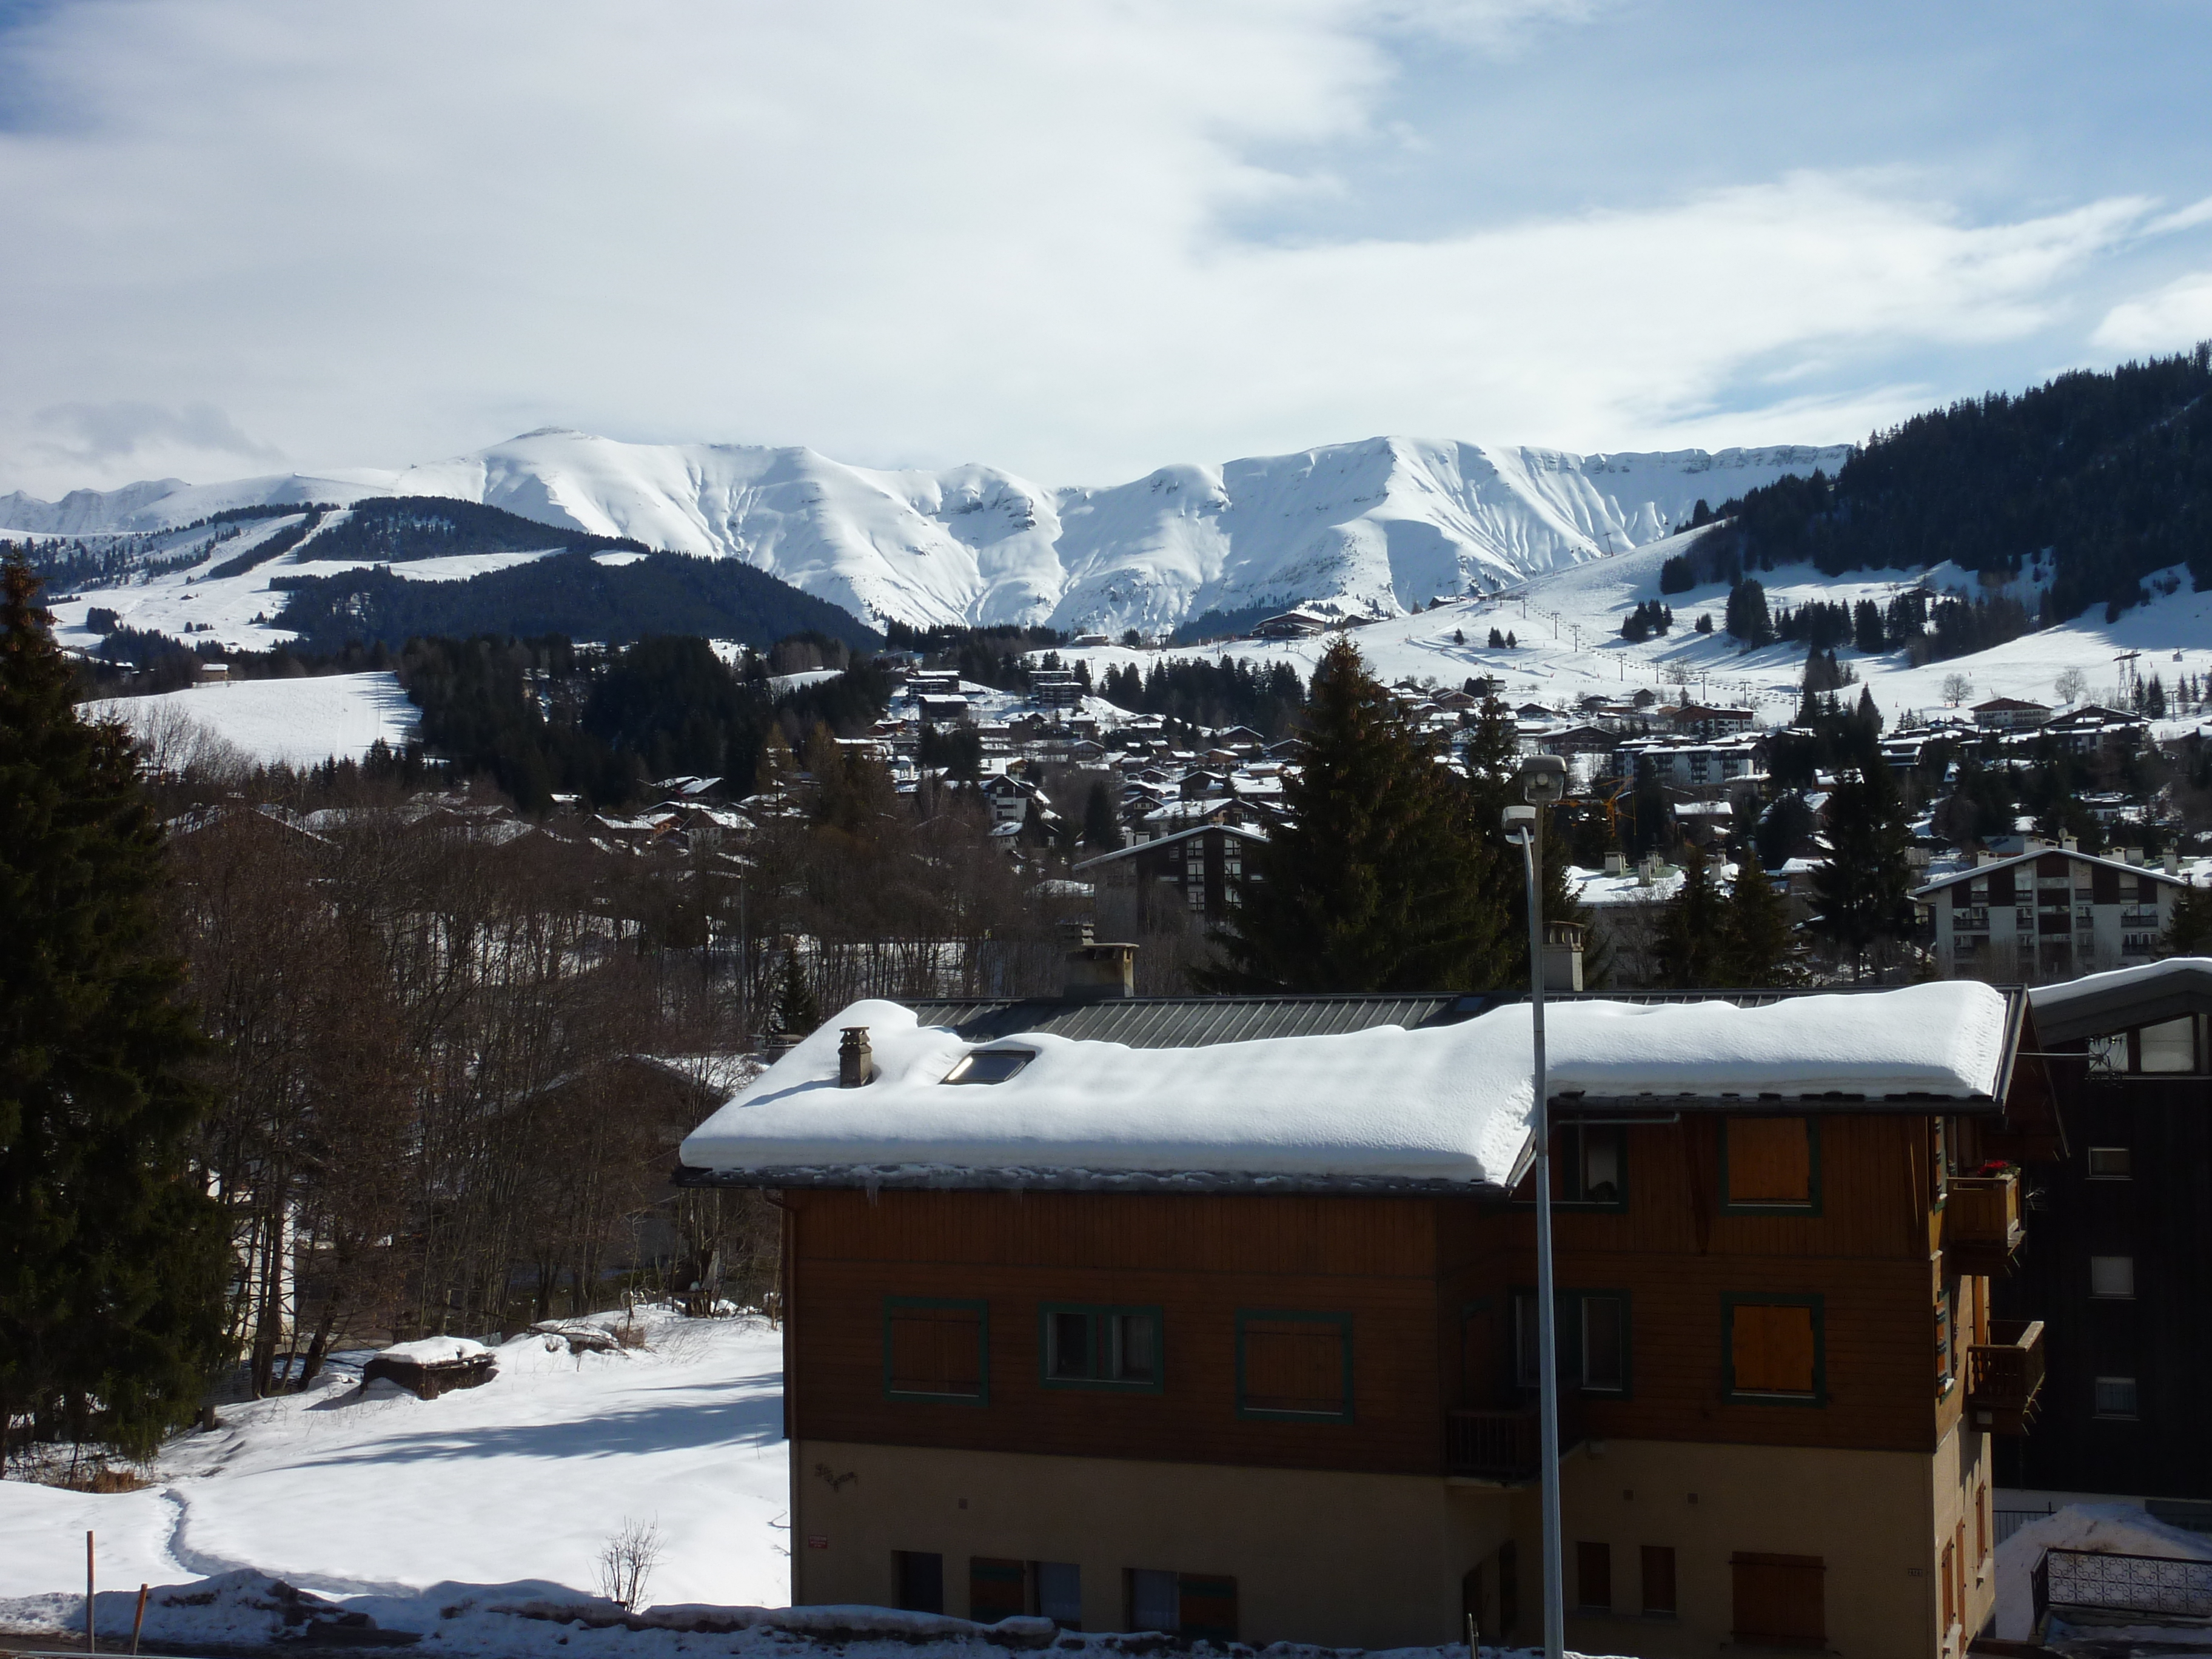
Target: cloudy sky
1078,239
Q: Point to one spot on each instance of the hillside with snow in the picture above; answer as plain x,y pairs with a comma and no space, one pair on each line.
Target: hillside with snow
1368,528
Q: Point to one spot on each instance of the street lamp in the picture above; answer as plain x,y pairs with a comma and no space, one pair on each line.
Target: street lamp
1543,783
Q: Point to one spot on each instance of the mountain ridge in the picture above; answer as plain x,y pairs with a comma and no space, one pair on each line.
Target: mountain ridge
1373,527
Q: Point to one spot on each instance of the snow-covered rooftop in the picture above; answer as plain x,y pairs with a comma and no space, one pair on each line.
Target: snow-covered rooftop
1447,1104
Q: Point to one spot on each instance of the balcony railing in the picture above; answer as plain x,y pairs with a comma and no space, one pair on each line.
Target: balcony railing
1981,1223
1504,1445
2004,1375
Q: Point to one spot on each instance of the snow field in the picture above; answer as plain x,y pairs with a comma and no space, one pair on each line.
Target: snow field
301,722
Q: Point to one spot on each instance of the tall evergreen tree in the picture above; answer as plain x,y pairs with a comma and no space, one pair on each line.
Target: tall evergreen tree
112,1254
1381,880
1755,929
796,1013
1861,890
1102,831
1690,945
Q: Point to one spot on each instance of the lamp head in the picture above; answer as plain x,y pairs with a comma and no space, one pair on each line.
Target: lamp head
1520,823
1543,780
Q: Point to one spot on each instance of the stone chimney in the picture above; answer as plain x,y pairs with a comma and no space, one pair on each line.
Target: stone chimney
2131,855
856,1059
1562,956
2067,844
1615,864
2172,862
1098,973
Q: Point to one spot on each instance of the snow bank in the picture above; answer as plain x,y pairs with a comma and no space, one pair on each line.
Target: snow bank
434,1350
2108,1528
1449,1103
527,1619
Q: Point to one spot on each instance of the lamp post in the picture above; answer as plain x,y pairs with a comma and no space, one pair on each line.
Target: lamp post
1543,783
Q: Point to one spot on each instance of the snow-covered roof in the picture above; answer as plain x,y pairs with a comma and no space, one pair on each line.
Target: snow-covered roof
2125,997
1443,1106
2073,853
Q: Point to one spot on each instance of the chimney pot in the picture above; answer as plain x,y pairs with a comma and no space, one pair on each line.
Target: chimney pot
1562,956
1615,864
856,1059
2172,862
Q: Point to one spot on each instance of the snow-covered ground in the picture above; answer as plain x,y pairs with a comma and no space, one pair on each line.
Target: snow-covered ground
301,722
1567,627
351,1493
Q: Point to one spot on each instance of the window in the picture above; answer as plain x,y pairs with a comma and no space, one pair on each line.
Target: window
1201,1607
2108,1053
1775,1349
1946,1346
1950,1600
2116,1396
1102,1347
1592,1167
2171,1047
1059,1593
990,1065
1771,1163
2111,1164
1658,1560
1779,1598
2112,1276
1294,1365
921,1576
935,1350
1592,1330
996,1590
1593,1577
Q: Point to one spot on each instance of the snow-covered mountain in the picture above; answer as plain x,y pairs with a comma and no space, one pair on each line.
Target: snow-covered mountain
1372,527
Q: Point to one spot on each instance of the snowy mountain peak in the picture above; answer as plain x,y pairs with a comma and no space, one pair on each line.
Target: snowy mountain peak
1371,527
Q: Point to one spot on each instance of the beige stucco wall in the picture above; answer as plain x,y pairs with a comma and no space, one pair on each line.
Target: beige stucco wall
1876,1519
1341,1559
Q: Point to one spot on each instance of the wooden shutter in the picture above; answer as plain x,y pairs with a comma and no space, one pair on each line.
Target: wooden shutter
937,1350
1205,1608
1779,1598
1950,1608
996,1590
1770,1160
1659,1578
1770,1346
1295,1365
1594,1577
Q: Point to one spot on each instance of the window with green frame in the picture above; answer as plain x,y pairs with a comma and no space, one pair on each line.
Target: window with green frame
1592,1334
1294,1365
1771,1166
1774,1349
937,1348
1081,1346
1590,1168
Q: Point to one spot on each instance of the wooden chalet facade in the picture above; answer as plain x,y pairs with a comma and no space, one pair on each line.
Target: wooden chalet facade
1273,1405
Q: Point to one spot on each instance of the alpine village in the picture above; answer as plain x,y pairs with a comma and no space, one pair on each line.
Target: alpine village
1000,1138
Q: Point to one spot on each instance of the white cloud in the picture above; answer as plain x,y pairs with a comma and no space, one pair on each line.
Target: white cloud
992,231
2179,314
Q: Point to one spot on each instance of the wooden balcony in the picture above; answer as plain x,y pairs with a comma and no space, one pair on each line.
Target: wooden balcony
1504,1445
1981,1233
2003,1377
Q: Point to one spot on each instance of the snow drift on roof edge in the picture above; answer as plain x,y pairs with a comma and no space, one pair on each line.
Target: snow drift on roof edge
1446,1104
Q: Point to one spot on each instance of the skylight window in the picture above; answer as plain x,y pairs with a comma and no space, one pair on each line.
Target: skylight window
990,1065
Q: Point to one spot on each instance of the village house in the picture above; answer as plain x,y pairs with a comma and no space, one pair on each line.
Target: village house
1212,1317
1193,872
1694,763
2009,715
2048,913
1701,720
2123,1231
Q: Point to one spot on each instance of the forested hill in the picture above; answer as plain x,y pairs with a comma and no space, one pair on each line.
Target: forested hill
574,594
394,528
2112,472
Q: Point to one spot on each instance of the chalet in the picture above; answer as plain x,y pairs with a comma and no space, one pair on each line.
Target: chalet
1583,739
2048,913
2010,715
1212,1317
1700,720
1195,871
2123,1233
1291,625
947,710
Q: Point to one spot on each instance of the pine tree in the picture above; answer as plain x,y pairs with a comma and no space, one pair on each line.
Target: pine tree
1755,931
1690,944
797,1013
2189,932
1861,890
1102,831
1381,880
112,1255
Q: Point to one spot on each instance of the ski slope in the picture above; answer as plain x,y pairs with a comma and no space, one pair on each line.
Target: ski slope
1567,623
1370,527
299,723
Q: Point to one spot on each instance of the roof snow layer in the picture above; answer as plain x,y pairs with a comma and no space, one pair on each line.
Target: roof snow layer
1447,1104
